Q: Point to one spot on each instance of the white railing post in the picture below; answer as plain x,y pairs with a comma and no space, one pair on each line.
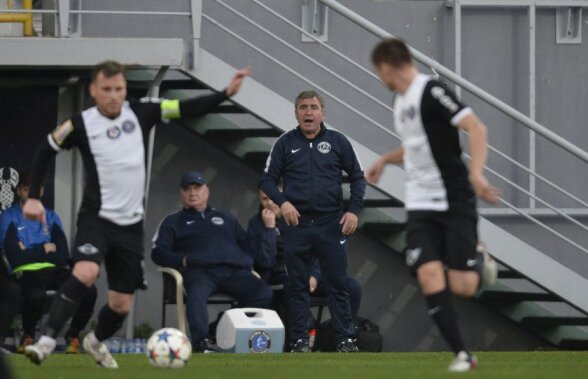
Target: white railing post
196,15
63,18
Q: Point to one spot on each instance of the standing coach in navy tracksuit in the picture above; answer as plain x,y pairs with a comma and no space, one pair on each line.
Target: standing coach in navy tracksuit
213,253
310,160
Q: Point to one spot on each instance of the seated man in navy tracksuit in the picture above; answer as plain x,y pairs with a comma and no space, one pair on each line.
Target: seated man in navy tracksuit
213,253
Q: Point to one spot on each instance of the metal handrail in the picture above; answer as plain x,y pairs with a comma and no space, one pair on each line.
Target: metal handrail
470,87
318,40
89,11
306,56
363,69
301,77
521,189
291,47
337,99
543,225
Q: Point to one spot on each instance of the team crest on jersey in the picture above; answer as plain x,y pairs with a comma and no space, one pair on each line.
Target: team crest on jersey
412,255
324,147
409,113
113,132
60,133
128,126
217,221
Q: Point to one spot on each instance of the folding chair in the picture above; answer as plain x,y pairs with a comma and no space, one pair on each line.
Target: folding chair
174,293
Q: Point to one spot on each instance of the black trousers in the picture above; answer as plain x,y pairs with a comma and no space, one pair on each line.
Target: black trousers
317,237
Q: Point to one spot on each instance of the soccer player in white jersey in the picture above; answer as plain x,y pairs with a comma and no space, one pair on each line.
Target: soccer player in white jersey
111,138
440,192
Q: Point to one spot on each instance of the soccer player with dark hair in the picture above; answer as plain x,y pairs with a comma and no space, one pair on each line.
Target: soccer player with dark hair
111,138
440,194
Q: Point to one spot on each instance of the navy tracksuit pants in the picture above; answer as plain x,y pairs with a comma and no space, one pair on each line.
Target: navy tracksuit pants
200,283
317,237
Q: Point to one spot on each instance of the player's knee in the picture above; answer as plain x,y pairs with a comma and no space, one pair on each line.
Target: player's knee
431,277
120,307
464,284
86,272
463,288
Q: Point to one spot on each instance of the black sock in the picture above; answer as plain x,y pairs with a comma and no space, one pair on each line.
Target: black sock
442,312
65,305
108,323
83,314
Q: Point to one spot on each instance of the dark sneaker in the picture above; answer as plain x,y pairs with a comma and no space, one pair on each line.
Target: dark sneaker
463,362
347,346
205,345
300,346
25,341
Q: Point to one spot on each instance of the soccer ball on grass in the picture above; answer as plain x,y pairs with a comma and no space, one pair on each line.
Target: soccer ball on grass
168,348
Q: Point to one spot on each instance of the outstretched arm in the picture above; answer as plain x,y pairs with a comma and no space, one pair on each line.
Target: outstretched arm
201,105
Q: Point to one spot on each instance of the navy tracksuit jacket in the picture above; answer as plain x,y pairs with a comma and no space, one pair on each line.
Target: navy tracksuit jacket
311,171
219,258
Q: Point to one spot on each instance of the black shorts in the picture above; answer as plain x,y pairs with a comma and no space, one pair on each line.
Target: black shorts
120,247
450,237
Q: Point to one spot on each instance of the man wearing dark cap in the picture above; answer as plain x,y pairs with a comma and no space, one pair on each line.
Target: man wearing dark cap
212,251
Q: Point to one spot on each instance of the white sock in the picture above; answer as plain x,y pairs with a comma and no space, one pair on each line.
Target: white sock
93,340
48,342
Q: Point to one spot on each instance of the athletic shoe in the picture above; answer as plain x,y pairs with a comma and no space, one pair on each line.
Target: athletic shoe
205,346
463,362
489,269
73,345
99,352
40,351
25,341
300,346
347,346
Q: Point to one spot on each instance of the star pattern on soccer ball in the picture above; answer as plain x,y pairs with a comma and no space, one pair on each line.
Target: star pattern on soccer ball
163,336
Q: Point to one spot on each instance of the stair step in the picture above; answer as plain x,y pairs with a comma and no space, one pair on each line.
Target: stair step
514,297
256,159
377,203
546,321
383,227
181,84
382,203
573,344
228,108
238,134
510,274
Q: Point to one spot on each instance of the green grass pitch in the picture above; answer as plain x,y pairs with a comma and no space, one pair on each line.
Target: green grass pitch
495,365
